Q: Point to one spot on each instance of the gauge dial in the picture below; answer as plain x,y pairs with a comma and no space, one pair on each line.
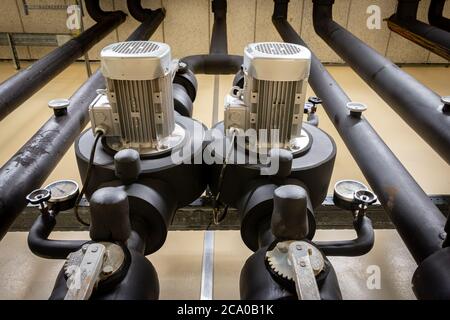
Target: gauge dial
346,189
63,190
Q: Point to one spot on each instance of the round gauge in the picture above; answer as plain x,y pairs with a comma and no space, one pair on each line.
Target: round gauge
346,189
63,190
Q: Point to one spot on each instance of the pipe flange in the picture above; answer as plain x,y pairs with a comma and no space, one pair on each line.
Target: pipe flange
277,264
114,268
277,258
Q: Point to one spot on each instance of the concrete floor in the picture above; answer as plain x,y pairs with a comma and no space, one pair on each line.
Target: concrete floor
179,263
24,276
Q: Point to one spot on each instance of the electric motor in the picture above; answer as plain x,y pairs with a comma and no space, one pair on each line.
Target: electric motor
137,109
272,99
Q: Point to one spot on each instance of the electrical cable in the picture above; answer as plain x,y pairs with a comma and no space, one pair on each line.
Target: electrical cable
217,215
98,135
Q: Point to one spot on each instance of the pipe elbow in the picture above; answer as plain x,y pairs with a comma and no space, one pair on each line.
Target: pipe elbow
95,11
352,248
41,246
140,13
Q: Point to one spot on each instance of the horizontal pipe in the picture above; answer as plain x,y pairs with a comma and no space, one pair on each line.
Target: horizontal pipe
405,23
21,86
436,15
139,13
219,40
418,221
33,163
41,246
214,63
419,107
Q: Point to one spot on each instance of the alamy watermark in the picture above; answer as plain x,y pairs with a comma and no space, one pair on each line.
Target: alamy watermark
374,19
248,147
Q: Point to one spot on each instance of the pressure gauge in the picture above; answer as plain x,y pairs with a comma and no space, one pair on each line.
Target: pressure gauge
344,193
64,194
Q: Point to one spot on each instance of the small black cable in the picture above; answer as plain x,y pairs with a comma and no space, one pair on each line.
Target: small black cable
98,135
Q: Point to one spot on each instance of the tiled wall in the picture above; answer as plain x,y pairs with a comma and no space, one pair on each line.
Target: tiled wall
188,26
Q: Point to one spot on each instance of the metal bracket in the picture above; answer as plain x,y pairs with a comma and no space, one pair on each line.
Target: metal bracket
27,7
305,280
14,55
83,281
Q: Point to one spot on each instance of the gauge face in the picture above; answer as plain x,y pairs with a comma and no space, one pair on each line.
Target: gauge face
63,190
346,189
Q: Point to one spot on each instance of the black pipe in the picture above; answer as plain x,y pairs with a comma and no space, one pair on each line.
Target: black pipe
418,221
32,164
148,26
419,106
21,86
436,15
219,43
50,249
351,248
214,63
95,11
405,23
137,11
218,61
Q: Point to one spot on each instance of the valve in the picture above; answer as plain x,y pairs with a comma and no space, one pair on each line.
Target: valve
314,101
446,106
364,199
39,198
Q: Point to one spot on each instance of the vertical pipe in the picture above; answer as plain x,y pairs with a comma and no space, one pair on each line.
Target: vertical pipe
33,163
436,15
418,221
219,43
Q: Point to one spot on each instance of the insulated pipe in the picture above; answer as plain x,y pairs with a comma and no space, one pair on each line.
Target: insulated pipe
405,23
33,163
418,221
41,246
219,33
141,14
21,86
214,63
436,15
218,61
351,248
419,106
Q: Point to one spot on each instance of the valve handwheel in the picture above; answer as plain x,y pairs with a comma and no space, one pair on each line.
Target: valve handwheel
314,101
39,196
365,197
